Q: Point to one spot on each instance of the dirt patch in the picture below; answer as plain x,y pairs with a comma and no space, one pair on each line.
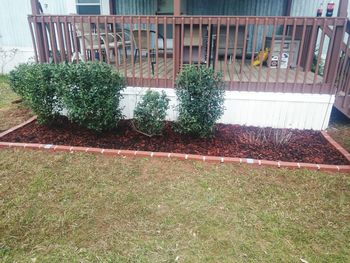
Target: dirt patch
229,141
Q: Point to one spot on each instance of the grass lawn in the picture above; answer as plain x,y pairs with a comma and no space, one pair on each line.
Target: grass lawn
89,208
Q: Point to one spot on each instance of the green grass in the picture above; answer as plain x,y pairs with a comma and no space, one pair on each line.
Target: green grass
87,208
91,208
11,113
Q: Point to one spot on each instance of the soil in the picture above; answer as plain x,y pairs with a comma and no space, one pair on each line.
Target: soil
228,141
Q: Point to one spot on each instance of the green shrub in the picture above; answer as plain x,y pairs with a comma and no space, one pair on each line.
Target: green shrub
150,113
91,94
37,85
200,92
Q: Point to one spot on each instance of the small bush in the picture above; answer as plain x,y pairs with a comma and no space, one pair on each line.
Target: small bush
200,93
36,84
91,94
150,113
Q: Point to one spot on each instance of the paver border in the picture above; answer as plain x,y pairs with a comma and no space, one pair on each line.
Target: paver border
181,156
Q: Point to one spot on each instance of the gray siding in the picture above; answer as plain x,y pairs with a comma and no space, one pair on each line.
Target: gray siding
236,7
14,29
135,7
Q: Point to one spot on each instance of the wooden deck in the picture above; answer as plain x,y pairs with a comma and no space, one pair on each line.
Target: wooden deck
236,72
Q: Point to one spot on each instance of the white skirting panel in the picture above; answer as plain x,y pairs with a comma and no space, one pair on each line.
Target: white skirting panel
262,109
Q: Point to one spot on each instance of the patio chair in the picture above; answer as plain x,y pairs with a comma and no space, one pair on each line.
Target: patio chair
116,41
93,42
120,33
146,47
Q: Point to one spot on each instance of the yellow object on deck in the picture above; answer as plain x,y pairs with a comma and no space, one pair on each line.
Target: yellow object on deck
262,54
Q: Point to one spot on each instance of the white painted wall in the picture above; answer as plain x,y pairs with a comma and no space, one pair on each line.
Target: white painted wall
262,109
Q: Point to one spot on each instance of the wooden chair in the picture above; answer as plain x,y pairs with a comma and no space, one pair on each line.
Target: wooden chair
116,41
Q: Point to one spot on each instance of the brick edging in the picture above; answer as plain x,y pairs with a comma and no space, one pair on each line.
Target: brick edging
336,145
212,159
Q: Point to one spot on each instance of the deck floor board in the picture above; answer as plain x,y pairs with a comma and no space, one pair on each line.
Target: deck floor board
235,72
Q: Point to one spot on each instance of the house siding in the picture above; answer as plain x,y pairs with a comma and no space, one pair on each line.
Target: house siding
135,7
14,29
237,7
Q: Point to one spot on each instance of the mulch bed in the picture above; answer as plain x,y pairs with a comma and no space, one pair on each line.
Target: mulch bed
229,141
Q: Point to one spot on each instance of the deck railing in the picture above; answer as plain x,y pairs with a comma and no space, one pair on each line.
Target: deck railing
343,75
150,50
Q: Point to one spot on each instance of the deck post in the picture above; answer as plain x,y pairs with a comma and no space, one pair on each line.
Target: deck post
177,38
343,8
338,39
39,38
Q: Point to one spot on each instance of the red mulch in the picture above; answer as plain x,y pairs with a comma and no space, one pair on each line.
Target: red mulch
229,141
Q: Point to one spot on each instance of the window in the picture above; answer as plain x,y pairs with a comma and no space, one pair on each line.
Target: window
88,7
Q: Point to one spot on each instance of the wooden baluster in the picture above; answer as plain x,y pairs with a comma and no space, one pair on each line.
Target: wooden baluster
99,39
46,44
60,38
106,40
281,50
319,55
124,48
191,39
226,48
67,40
140,50
200,41
116,52
261,58
233,67
165,51
302,41
217,65
83,37
33,39
209,43
251,67
291,54
272,47
149,51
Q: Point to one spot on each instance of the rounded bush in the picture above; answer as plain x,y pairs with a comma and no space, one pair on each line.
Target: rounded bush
150,113
91,95
200,93
37,85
